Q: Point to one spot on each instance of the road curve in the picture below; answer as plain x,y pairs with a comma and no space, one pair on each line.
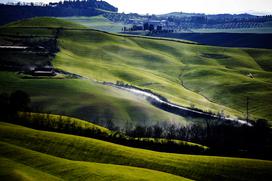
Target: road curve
163,103
166,105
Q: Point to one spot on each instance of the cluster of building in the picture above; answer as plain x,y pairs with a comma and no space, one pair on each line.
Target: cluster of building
143,25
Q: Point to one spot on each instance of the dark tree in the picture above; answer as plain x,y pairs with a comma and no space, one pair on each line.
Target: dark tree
4,105
110,125
157,131
19,101
146,26
159,28
139,131
149,132
171,131
151,27
262,132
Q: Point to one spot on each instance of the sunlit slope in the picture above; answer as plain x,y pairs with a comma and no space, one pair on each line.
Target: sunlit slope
92,150
13,170
47,119
97,22
86,100
210,78
44,27
46,22
25,164
74,126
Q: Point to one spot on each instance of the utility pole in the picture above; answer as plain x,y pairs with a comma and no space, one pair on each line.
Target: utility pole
247,105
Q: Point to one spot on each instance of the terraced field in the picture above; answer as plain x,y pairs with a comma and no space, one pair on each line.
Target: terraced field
93,159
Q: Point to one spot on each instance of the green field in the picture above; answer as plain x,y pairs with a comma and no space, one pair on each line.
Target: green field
45,22
97,22
209,78
93,158
18,163
31,118
174,70
70,125
87,100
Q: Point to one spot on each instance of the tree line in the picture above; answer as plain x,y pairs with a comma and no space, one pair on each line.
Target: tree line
9,13
15,108
223,139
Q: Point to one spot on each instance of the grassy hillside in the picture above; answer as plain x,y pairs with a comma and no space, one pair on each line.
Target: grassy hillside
47,22
86,100
97,22
30,118
209,78
23,164
91,150
74,126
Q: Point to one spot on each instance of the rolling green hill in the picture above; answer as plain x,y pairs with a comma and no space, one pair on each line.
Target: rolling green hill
74,126
87,100
30,118
19,163
46,22
97,22
20,147
209,78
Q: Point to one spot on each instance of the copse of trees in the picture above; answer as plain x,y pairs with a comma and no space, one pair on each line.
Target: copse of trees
19,101
17,11
222,138
79,4
64,124
11,104
15,107
59,123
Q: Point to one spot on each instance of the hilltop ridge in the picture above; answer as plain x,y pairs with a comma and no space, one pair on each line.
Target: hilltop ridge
12,12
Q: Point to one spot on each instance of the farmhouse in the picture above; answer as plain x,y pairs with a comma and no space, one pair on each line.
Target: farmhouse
43,71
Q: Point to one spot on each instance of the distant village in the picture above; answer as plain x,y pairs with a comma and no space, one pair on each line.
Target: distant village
179,21
155,26
171,22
